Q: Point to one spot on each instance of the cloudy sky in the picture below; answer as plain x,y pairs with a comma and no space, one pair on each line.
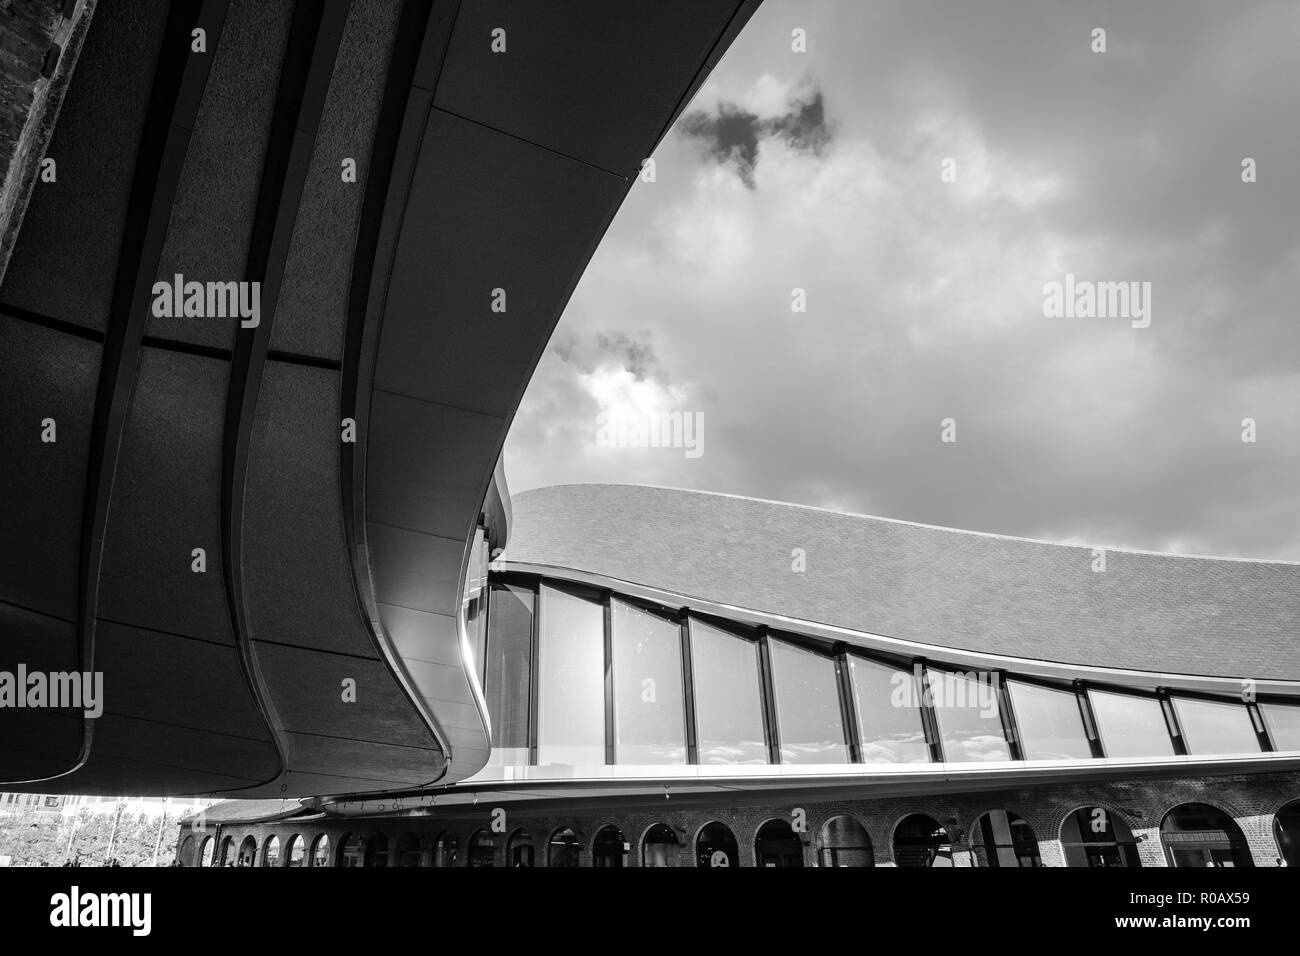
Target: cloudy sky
823,171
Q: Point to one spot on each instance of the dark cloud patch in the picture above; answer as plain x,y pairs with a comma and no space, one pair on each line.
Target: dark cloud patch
606,350
804,127
732,135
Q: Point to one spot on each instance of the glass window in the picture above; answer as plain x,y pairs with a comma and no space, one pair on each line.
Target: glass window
919,841
889,713
728,702
1050,725
564,849
571,679
320,851
1215,726
377,851
1096,837
297,851
1130,725
482,850
609,849
845,842
649,718
660,846
1199,835
509,663
776,845
966,705
519,850
1283,722
716,847
807,705
1002,840
446,852
271,852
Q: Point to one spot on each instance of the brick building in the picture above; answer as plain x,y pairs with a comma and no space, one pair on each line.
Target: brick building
676,678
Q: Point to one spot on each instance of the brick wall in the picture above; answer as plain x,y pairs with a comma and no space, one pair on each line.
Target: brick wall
1251,800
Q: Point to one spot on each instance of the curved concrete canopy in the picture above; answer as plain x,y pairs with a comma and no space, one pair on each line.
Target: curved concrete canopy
324,562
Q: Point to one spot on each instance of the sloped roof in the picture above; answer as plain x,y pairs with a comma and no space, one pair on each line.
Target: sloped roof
248,811
966,590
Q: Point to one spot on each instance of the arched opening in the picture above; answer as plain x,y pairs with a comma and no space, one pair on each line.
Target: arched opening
1094,836
716,847
271,852
352,851
482,849
660,846
446,851
227,852
1003,839
409,853
919,841
187,851
776,844
320,851
377,852
563,848
1286,830
845,843
609,848
520,849
1197,834
247,852
205,852
297,852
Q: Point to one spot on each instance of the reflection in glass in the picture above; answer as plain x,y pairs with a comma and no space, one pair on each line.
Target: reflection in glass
571,680
509,660
728,706
1096,837
966,706
1130,725
649,722
1001,840
1051,727
1283,722
1215,726
807,705
1200,835
845,842
889,713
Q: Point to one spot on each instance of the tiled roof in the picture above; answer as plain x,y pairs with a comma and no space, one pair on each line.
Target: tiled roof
958,589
